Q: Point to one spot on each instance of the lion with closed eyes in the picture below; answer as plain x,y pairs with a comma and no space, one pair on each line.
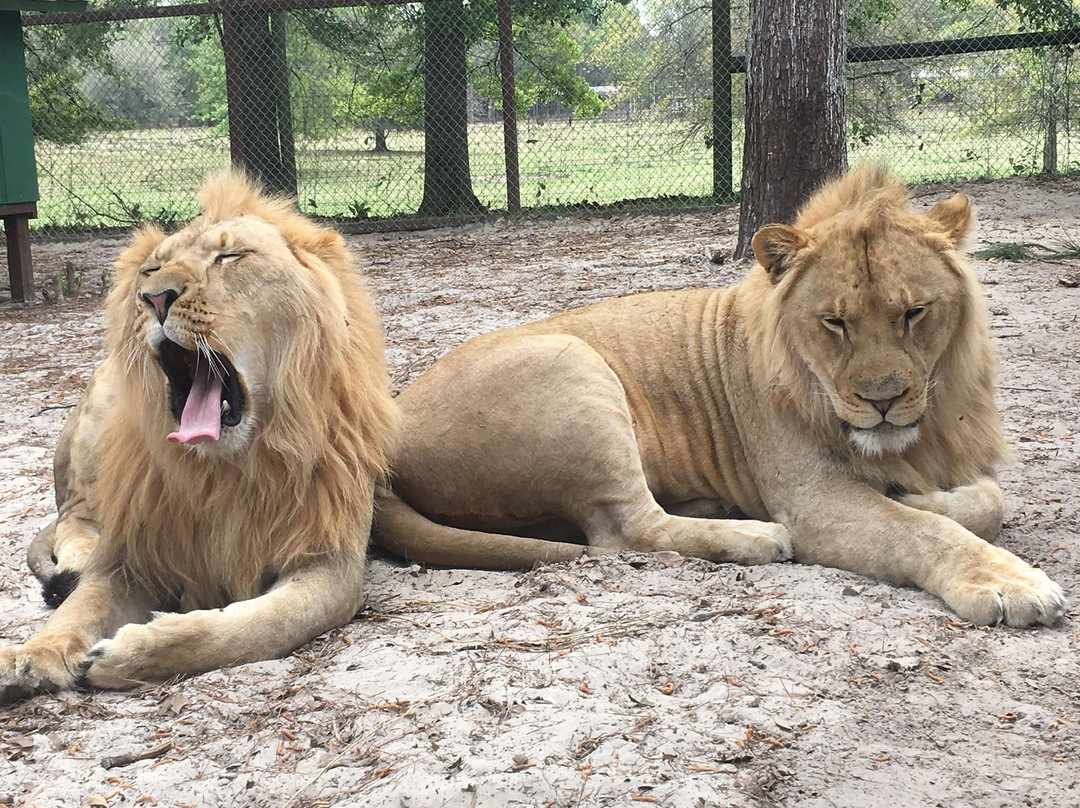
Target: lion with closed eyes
221,464
841,397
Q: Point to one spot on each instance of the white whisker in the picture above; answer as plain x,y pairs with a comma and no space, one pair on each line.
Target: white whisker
224,345
216,367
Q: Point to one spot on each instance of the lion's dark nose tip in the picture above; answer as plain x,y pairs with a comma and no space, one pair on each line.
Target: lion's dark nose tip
160,302
883,405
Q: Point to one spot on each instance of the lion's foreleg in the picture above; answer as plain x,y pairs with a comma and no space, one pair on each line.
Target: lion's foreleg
980,507
847,525
52,658
320,596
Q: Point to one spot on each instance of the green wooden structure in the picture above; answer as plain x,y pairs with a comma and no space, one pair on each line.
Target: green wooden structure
18,171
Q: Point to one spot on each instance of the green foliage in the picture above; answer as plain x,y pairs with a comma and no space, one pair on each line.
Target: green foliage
366,61
56,58
360,68
863,15
350,68
1034,15
548,50
61,113
545,61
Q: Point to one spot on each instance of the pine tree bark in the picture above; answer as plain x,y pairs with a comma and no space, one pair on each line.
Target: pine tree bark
795,114
447,177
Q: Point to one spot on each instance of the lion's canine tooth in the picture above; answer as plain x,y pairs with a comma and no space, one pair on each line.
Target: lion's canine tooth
225,406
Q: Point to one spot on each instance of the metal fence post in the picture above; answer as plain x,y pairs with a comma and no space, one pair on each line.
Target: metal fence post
509,105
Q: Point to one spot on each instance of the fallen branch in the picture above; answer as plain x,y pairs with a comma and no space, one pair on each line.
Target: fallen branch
128,758
46,409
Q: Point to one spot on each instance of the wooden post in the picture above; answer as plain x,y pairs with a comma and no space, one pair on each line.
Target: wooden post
509,105
20,263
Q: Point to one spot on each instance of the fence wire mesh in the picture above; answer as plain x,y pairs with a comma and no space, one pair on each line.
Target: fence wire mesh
381,109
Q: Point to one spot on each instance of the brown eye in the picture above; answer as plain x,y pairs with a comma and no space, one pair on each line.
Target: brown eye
836,324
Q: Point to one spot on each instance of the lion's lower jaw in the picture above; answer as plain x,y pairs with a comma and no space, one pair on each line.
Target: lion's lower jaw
234,441
884,439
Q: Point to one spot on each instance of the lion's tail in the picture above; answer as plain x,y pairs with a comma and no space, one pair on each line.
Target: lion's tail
411,535
56,584
39,555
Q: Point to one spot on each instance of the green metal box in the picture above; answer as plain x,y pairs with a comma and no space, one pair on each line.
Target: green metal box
18,172
18,177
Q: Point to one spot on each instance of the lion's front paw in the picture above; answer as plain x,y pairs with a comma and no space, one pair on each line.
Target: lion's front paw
1000,588
144,653
26,670
119,663
760,542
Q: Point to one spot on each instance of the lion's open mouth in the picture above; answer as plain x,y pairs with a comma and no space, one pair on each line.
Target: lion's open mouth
205,389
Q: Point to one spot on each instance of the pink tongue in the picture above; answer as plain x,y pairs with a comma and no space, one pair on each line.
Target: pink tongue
201,419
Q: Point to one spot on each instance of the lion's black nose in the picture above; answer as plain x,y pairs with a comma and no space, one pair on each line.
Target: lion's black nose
160,302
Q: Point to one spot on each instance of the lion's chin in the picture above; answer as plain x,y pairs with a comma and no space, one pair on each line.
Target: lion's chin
885,438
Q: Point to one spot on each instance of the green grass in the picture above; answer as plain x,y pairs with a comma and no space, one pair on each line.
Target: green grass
1030,251
117,177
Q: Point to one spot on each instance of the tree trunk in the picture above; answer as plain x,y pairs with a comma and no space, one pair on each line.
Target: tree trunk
1054,80
447,178
795,128
1050,152
257,84
380,141
721,101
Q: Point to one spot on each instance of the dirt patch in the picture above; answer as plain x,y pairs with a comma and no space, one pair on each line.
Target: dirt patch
618,681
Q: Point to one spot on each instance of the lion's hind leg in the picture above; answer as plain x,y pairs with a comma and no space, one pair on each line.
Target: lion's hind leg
539,427
58,554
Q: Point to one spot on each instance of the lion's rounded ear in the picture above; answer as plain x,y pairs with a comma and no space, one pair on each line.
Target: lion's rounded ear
952,217
774,245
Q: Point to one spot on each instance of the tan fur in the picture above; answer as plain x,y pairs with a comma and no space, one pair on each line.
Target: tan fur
277,512
841,397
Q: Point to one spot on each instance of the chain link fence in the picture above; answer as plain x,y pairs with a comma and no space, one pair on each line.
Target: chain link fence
375,109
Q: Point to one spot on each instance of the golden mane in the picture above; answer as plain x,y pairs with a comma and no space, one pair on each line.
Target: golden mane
216,527
961,436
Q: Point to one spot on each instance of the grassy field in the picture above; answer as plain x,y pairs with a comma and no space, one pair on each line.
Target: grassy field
115,178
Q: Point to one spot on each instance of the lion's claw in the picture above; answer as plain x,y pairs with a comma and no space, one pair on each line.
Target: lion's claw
1005,590
26,671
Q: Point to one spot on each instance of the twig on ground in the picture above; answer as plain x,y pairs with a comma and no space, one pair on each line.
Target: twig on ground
44,410
126,759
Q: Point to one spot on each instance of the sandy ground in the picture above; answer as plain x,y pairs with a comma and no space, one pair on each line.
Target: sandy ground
621,681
